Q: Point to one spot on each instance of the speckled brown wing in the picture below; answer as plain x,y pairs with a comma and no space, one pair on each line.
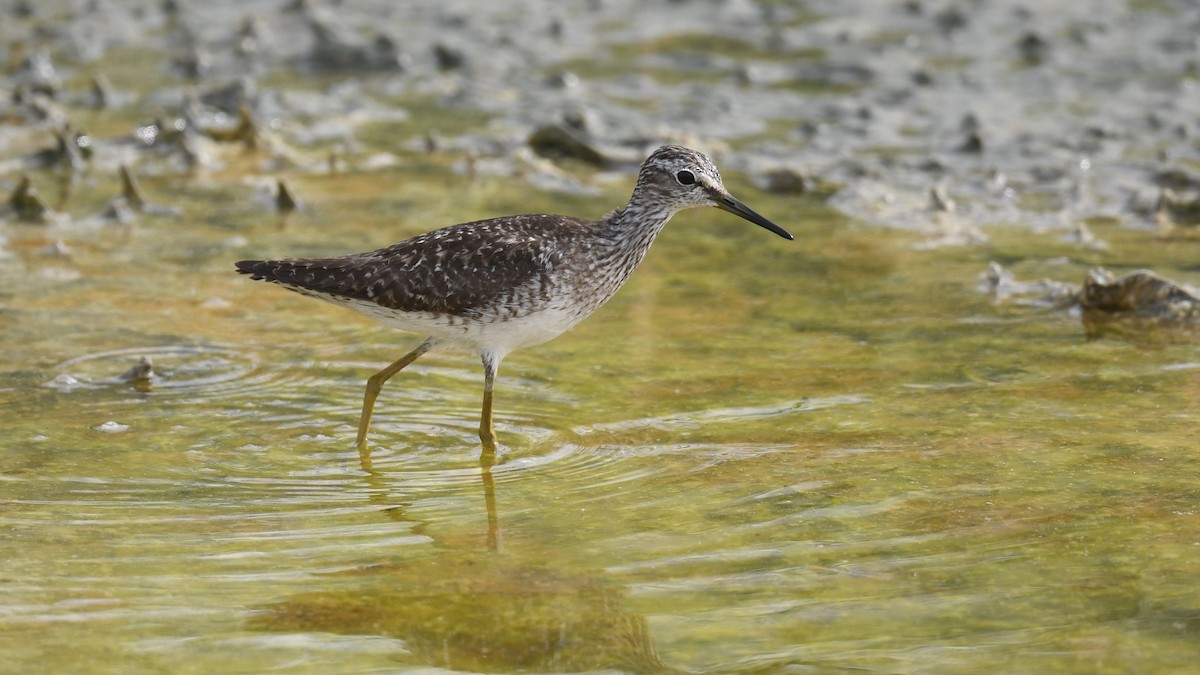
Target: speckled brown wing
460,270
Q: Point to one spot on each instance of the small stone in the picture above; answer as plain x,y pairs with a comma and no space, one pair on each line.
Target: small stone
141,372
939,201
1033,48
285,203
786,181
447,57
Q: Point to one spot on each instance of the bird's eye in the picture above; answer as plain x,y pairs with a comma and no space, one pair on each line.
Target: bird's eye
685,177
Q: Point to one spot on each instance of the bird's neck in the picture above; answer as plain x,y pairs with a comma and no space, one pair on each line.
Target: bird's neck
621,242
617,247
633,228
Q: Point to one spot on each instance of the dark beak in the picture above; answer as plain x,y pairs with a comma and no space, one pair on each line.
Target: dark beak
728,202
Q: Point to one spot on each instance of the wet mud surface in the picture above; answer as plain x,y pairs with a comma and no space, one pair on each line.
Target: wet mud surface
936,116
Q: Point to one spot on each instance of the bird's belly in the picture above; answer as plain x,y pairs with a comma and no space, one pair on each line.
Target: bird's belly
494,333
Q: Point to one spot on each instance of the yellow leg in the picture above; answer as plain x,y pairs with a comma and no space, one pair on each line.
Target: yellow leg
487,435
493,518
375,385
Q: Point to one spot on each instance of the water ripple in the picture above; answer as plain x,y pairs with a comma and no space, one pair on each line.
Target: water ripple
177,369
693,419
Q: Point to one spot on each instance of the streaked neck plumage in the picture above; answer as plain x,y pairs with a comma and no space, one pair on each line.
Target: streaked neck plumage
634,226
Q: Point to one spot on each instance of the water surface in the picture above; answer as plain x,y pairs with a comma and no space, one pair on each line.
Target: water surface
834,453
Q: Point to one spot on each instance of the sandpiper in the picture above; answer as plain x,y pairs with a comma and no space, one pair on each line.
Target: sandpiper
496,285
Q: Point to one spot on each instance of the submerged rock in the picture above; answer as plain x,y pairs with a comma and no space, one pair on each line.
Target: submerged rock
1141,306
1002,286
1141,294
141,373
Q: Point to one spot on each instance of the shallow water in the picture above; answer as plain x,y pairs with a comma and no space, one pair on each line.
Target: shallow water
761,456
832,453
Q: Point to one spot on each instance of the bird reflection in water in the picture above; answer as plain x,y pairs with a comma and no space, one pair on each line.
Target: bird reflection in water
482,610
